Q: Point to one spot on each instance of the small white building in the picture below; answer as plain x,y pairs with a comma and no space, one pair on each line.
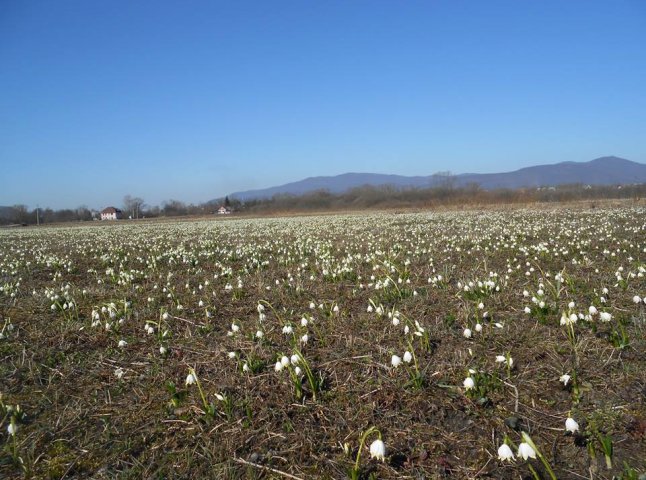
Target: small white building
224,211
111,213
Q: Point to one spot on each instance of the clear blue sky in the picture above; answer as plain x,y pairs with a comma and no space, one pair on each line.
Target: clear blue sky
192,100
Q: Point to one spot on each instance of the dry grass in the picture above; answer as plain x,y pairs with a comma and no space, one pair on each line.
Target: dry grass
84,422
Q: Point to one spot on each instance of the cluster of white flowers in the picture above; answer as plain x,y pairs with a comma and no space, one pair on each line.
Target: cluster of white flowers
396,271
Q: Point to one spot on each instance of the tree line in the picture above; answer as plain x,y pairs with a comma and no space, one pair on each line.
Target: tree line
445,194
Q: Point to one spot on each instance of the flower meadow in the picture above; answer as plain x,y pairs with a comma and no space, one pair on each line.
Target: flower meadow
471,344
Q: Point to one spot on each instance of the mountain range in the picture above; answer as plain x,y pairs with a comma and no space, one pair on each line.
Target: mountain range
601,171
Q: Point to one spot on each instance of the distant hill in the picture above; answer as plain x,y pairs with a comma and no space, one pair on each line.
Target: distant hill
601,171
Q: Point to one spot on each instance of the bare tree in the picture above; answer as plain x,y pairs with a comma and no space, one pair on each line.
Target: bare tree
83,213
444,180
174,208
20,213
133,205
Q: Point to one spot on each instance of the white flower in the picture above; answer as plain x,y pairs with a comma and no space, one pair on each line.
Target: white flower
163,350
234,327
287,329
528,310
605,316
505,453
526,451
501,359
592,310
259,334
122,343
231,355
407,356
636,299
298,371
304,322
305,338
565,378
191,379
295,359
12,428
466,333
284,360
119,373
245,367
468,383
478,327
571,425
395,361
279,366
378,450
568,320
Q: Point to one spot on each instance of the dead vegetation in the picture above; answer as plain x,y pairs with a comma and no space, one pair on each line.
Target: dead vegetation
94,409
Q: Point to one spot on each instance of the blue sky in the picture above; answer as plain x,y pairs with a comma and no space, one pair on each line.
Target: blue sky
192,100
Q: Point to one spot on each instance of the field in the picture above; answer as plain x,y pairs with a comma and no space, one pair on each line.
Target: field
286,347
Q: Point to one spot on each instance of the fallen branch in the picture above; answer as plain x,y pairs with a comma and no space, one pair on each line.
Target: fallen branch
262,467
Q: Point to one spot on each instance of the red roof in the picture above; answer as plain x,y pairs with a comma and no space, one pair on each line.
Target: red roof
110,210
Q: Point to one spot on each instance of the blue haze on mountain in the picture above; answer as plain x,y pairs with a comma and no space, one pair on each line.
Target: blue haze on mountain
601,171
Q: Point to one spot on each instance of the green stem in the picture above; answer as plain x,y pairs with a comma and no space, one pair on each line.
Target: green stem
308,373
271,307
362,442
15,441
416,377
199,387
534,472
528,439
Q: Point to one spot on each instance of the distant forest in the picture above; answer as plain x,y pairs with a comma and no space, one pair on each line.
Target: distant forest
366,197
